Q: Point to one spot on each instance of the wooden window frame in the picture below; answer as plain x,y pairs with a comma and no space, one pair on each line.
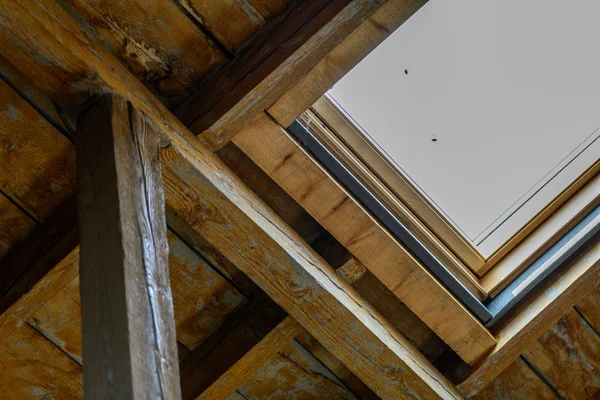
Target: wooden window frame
482,275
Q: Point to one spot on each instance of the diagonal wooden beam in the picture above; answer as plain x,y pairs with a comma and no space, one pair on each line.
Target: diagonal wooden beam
283,159
254,80
271,344
129,340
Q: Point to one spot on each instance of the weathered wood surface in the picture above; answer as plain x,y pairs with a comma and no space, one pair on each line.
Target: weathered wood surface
589,307
282,159
555,296
247,366
568,356
243,229
221,109
517,382
293,373
341,59
234,22
37,162
129,339
33,368
274,341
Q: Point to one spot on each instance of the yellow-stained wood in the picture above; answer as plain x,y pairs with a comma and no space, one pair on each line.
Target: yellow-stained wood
33,368
274,341
37,162
589,307
234,22
202,298
517,382
367,36
537,313
44,290
15,225
540,240
293,373
128,327
247,366
567,356
237,223
338,368
269,146
221,109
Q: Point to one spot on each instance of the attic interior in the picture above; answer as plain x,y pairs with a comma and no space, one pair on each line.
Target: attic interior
188,212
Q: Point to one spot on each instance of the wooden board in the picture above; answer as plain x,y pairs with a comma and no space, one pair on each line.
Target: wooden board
589,307
282,158
15,225
294,373
234,22
567,356
34,368
155,39
37,171
517,382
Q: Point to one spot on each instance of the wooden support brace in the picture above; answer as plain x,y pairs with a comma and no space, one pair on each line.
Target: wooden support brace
129,342
259,355
283,159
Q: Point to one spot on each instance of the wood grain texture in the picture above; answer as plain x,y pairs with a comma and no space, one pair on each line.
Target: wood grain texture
589,307
234,22
272,343
567,356
36,170
247,366
45,289
219,111
295,171
341,59
351,381
552,299
239,225
129,339
34,368
293,373
517,382
15,226
156,41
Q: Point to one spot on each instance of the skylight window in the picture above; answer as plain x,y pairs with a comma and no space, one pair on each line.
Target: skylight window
489,109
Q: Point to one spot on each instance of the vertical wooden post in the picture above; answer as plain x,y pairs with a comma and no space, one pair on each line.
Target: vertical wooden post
129,342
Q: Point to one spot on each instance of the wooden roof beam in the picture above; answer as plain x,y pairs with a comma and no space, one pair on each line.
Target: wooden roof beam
256,78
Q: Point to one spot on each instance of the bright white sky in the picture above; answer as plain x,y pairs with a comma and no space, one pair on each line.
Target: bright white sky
508,88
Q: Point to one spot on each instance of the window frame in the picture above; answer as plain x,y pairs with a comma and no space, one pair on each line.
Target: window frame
347,142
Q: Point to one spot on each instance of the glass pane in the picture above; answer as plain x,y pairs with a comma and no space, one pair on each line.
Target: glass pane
482,103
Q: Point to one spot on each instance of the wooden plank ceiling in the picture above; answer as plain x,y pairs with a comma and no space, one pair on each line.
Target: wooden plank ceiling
210,62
